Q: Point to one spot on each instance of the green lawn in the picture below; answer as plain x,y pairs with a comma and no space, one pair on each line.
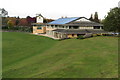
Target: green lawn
26,55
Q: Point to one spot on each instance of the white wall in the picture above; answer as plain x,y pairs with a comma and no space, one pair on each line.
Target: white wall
39,19
85,27
83,19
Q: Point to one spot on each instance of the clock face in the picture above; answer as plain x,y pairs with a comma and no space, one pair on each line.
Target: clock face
39,19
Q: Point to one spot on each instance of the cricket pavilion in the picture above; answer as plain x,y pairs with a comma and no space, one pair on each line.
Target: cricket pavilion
70,27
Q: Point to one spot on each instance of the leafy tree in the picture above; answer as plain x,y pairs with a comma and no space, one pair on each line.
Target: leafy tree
18,17
102,21
23,22
17,21
4,21
96,17
30,20
112,21
91,17
10,24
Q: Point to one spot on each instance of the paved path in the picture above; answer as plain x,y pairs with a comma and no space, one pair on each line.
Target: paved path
46,36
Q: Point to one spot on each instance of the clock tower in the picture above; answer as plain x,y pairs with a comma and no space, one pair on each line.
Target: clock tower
39,18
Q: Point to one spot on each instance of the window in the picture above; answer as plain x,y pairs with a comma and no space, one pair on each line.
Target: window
70,27
96,27
75,27
39,17
39,28
52,25
55,25
72,35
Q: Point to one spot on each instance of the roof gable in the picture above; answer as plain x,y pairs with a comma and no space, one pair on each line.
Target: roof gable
64,20
83,19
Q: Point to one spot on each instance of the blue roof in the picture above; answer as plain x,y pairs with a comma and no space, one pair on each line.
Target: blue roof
63,20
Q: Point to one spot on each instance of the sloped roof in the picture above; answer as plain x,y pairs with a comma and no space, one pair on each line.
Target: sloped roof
80,31
71,31
85,23
73,21
64,20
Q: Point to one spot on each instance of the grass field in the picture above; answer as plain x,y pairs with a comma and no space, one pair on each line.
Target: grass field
30,56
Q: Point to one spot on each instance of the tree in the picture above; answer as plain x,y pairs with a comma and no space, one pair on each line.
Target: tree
96,17
45,20
17,21
23,22
3,12
3,20
18,17
91,17
112,21
10,24
30,20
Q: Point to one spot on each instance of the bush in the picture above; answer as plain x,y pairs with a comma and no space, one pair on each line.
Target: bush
18,28
99,34
108,35
94,35
4,27
80,37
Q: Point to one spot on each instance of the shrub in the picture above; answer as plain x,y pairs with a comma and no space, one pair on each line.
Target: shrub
94,35
80,37
18,28
98,34
108,35
4,27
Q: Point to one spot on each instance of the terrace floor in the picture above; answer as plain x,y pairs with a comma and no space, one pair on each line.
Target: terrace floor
47,36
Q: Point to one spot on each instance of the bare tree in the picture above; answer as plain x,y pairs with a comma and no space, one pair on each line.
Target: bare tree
3,12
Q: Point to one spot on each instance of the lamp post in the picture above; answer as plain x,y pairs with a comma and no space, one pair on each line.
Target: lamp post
119,4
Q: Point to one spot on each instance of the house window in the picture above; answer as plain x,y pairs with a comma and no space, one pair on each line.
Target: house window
39,28
52,25
75,27
70,27
96,27
72,35
55,25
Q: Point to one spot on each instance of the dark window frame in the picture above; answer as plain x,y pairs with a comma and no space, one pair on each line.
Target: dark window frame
39,27
96,27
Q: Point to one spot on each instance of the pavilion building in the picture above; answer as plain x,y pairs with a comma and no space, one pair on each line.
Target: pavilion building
68,27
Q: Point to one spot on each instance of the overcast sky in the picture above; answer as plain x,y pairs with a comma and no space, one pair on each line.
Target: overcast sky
56,8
